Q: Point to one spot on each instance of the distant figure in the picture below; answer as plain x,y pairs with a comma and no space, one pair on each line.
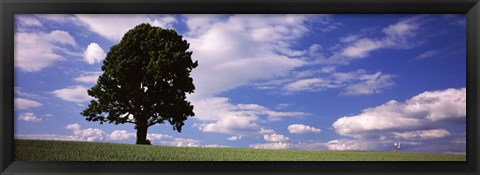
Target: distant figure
396,147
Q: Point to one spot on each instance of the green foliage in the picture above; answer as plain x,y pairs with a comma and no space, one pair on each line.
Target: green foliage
32,150
146,75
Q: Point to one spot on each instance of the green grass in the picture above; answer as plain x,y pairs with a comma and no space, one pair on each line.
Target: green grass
36,150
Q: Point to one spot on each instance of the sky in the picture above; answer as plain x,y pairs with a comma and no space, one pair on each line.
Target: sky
315,82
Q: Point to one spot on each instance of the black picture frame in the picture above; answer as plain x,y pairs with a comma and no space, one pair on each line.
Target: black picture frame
10,7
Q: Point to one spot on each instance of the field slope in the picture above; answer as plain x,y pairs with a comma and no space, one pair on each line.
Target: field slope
36,150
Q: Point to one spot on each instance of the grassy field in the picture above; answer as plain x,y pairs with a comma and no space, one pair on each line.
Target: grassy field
34,150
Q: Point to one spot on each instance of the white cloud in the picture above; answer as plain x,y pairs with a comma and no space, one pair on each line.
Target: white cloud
349,38
74,126
399,35
19,92
231,125
302,129
459,141
29,117
89,134
275,138
278,145
28,20
343,144
403,28
122,135
427,54
423,134
361,48
97,135
23,103
36,51
355,83
114,26
370,84
215,146
395,36
183,142
311,84
266,131
60,18
253,47
153,137
238,50
94,54
88,77
439,105
46,137
77,94
200,23
282,106
232,138
415,113
240,119
61,37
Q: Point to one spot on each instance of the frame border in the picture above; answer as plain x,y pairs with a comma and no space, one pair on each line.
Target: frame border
471,8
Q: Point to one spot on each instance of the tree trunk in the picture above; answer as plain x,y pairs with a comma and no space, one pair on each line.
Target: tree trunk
142,134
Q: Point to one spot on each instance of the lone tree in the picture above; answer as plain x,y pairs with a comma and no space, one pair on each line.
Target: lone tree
145,80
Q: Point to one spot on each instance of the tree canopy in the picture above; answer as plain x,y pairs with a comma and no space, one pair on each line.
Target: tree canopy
145,81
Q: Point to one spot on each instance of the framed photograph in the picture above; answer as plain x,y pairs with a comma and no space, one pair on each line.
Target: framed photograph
225,87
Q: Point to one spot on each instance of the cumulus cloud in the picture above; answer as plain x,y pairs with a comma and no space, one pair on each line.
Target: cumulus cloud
343,144
232,138
36,51
254,47
215,146
89,134
93,54
23,103
88,77
275,138
266,131
167,140
154,137
200,23
183,142
77,94
302,129
278,145
114,26
122,135
239,119
29,117
420,111
231,125
423,134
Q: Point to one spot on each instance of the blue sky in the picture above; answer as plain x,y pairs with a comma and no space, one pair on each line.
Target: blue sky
328,82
